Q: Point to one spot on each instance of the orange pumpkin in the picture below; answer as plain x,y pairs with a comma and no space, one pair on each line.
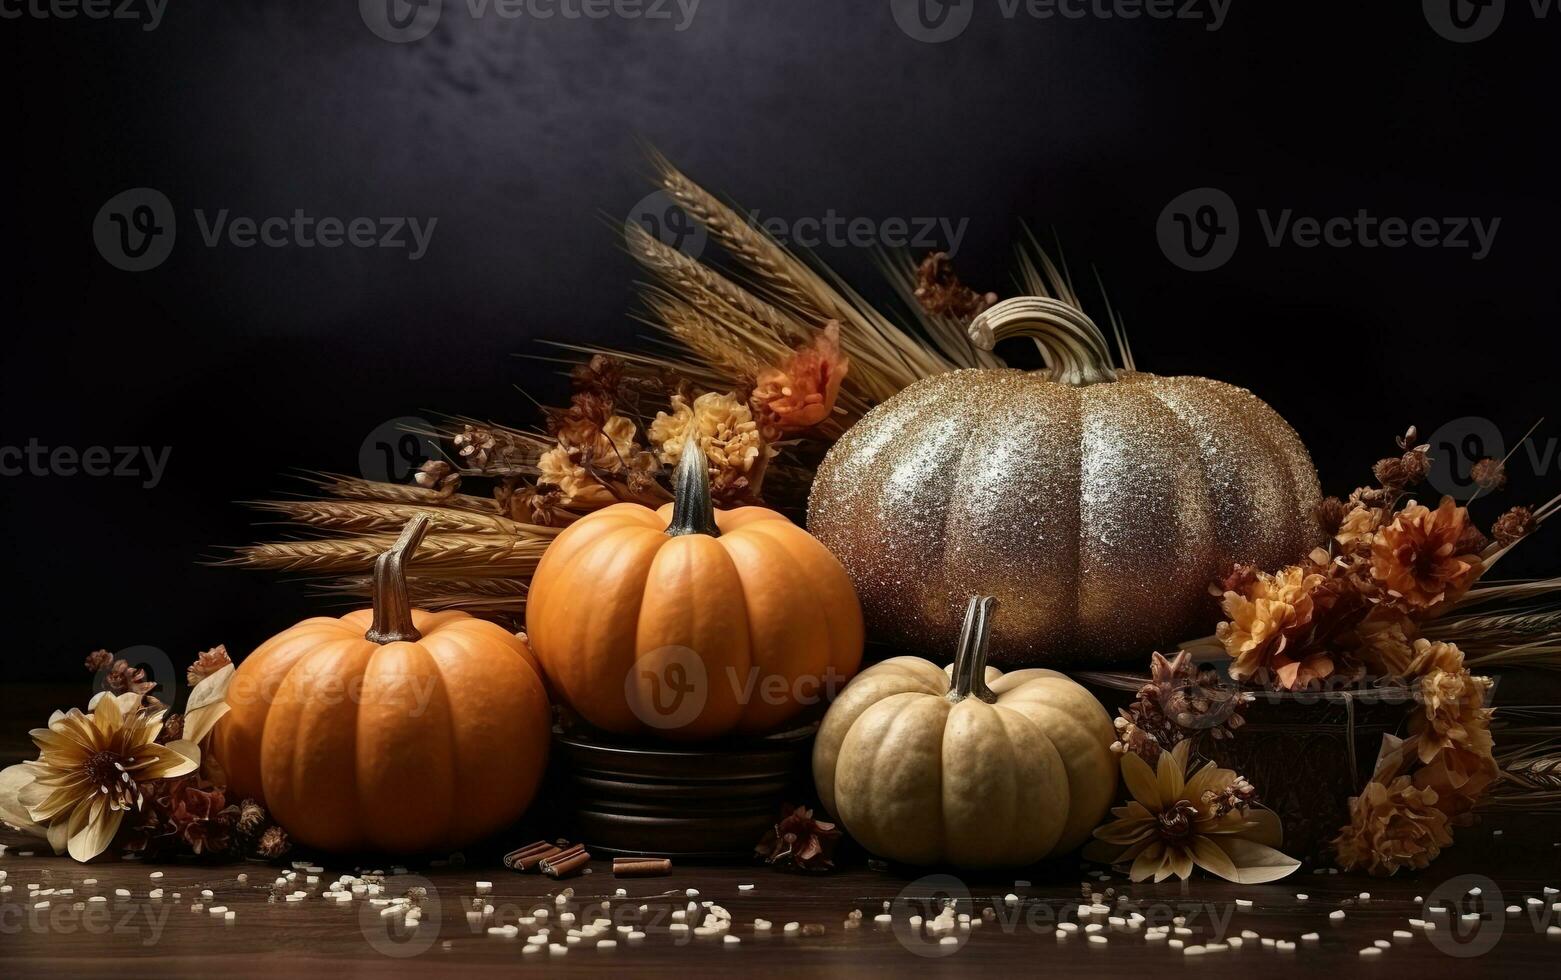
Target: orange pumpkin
390,729
692,622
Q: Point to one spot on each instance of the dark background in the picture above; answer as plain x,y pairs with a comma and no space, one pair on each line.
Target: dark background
524,139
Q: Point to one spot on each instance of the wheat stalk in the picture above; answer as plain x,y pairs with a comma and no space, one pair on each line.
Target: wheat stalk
363,517
354,488
492,595
441,555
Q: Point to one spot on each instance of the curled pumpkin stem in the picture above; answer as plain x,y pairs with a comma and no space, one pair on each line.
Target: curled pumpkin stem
1074,348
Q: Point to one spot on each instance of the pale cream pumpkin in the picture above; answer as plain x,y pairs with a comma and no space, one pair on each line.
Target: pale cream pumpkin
966,765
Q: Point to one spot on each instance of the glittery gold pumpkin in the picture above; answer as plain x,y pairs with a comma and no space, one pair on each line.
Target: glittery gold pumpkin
1096,504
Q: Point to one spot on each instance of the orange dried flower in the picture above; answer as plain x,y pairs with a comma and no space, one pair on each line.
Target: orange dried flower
1392,825
1452,703
801,393
1417,556
1358,527
1267,622
1383,642
1459,777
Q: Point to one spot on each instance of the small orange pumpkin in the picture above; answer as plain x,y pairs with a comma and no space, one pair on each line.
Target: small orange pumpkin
390,729
689,621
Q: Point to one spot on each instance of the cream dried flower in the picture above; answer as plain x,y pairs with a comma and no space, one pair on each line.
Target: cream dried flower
90,767
1176,820
724,426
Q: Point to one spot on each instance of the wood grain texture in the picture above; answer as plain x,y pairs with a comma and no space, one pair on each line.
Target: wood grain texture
137,936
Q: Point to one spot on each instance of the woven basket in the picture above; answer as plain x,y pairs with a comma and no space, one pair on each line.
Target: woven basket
1306,752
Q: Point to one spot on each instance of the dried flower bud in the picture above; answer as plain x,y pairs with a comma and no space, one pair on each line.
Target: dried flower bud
98,659
439,476
123,678
940,292
1410,440
1236,580
1415,465
1513,526
274,843
474,444
252,820
1389,472
1329,513
1489,474
207,663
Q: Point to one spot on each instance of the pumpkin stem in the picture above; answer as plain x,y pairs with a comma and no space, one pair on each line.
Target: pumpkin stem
1074,348
692,511
392,608
969,675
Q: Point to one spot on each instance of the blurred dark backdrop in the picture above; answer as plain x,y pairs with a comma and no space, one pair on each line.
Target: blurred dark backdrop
523,138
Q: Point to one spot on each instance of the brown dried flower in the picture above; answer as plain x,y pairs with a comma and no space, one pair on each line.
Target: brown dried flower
799,840
474,444
173,729
98,659
1392,825
1416,557
1489,474
252,820
207,663
801,393
1179,699
438,476
940,292
273,844
1513,526
544,505
1329,513
123,678
1415,466
1390,473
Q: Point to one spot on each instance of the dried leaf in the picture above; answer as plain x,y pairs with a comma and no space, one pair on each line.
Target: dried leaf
1255,863
13,780
207,704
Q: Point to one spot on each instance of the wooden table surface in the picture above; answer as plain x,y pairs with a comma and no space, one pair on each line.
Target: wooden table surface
136,935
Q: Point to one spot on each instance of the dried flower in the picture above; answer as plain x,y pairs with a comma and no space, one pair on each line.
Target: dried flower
1513,526
799,840
473,444
1176,820
1415,466
1489,474
173,729
542,505
438,476
252,820
801,393
90,768
191,812
1392,825
1358,527
208,663
1266,627
1452,702
1329,513
1417,558
98,659
1459,777
1383,642
727,432
1178,699
940,292
273,844
1390,473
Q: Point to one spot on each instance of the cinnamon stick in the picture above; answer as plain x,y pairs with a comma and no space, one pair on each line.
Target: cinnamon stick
527,858
641,867
566,862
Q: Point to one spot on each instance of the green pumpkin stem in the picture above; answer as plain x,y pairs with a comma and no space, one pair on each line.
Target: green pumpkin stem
1074,348
969,675
692,511
392,608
